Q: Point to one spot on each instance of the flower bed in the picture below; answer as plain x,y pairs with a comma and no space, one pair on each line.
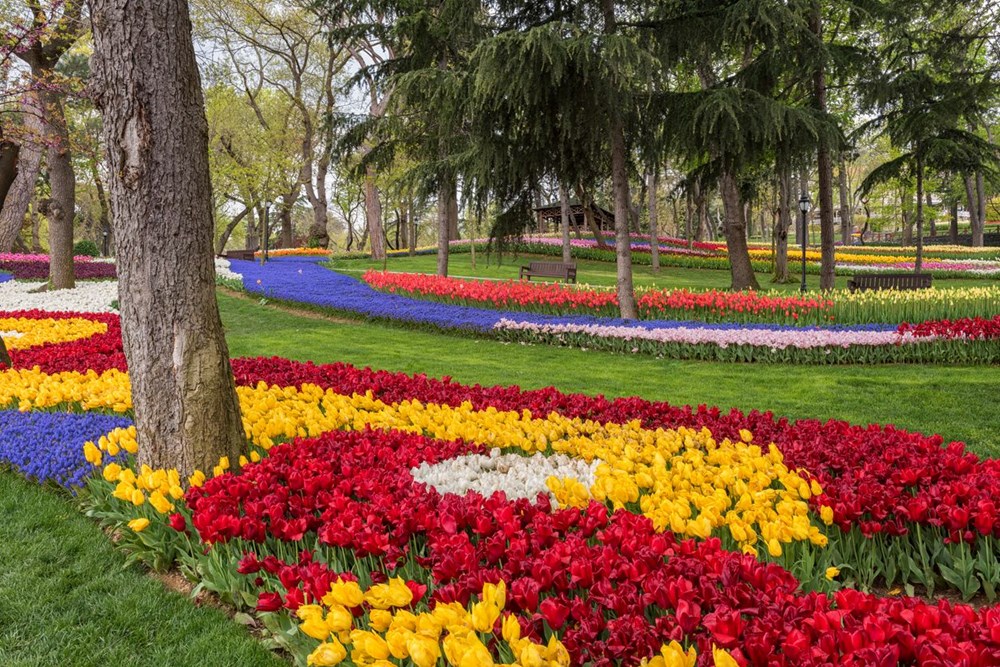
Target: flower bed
303,280
35,267
842,307
644,562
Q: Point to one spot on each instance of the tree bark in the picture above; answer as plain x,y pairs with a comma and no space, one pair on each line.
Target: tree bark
373,213
148,87
654,226
22,190
734,228
567,251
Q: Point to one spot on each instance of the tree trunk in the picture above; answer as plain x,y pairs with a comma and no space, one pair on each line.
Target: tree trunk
786,199
953,228
567,251
979,226
22,190
220,246
61,206
373,214
919,261
588,217
654,226
445,193
453,233
735,229
907,224
623,241
412,236
688,219
824,165
846,210
8,167
187,414
36,231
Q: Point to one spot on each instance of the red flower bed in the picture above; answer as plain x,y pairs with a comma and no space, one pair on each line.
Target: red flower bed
712,305
972,328
609,586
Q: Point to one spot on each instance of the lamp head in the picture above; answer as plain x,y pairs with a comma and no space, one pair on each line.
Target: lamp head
804,203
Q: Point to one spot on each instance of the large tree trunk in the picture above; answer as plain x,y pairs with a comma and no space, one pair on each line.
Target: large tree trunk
654,226
588,217
564,209
623,241
846,210
373,213
22,190
61,207
824,165
186,411
735,229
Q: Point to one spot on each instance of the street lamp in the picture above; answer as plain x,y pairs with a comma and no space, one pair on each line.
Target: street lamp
804,206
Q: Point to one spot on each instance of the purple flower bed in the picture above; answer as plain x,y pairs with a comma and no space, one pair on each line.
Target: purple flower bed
35,269
48,446
4,277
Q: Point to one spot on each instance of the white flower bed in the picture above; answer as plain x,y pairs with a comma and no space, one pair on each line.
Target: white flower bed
223,271
86,297
517,476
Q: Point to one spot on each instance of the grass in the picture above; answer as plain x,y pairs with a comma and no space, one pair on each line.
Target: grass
957,402
592,272
67,598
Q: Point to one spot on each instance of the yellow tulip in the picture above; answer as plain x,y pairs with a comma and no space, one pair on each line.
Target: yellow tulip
346,593
139,525
327,654
723,659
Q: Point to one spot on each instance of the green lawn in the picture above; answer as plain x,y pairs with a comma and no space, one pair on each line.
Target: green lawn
592,272
66,597
957,402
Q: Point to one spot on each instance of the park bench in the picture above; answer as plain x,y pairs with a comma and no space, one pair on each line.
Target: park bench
897,281
549,270
240,254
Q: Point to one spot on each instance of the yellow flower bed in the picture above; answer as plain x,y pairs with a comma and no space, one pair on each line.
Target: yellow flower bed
31,389
30,332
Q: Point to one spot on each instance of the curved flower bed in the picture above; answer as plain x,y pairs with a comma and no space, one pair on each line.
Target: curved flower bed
303,280
323,528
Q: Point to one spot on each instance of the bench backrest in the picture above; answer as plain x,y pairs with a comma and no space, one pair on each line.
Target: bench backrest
552,268
891,280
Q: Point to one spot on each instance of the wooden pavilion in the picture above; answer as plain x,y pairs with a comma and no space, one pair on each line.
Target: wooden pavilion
550,217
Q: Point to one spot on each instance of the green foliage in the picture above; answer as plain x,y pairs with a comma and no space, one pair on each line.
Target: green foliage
86,248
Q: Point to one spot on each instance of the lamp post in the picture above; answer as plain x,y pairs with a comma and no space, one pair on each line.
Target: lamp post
804,206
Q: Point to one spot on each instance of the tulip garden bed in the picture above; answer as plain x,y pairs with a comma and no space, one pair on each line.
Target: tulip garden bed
704,536
303,280
36,267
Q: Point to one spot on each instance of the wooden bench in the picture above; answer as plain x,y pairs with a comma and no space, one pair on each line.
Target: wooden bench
549,270
240,254
880,281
